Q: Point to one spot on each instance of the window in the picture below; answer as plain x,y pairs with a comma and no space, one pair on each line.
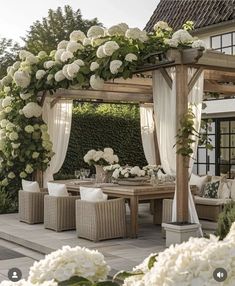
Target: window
224,43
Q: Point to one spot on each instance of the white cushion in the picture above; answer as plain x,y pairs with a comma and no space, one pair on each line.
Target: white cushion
232,190
92,194
210,201
30,186
198,181
57,190
224,191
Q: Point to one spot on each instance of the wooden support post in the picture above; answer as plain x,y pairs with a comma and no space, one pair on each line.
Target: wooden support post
181,161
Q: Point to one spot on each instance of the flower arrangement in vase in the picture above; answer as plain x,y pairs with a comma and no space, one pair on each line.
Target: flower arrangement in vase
100,159
129,175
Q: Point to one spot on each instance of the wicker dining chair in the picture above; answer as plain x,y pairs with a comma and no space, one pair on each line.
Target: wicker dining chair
101,220
31,206
59,212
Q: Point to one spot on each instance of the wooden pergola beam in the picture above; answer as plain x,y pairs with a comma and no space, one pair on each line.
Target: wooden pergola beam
107,96
220,76
212,86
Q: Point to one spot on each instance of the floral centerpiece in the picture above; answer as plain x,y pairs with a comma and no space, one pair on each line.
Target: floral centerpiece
100,159
152,169
130,175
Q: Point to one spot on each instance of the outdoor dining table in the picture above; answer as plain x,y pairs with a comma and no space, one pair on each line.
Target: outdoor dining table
134,195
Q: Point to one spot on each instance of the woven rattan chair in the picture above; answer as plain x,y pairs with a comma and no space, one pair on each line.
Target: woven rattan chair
101,220
31,206
166,213
59,212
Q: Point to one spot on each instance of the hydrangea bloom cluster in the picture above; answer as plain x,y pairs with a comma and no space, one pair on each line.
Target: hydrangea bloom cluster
27,283
103,158
128,172
190,263
64,263
84,60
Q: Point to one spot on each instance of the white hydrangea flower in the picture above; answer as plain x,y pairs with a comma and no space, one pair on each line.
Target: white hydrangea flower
16,65
11,175
7,101
124,27
50,77
96,82
31,59
77,35
23,54
23,175
100,52
49,64
79,62
42,55
59,76
136,34
98,42
86,42
29,129
15,145
161,25
25,96
62,45
4,123
198,44
182,36
95,32
73,47
66,55
10,126
22,79
114,66
66,262
172,42
32,109
73,69
40,74
29,169
35,155
58,54
65,72
8,109
11,71
118,30
130,57
6,80
110,47
94,66
13,136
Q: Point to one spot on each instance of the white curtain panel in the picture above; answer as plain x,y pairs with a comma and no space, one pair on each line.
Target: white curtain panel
165,118
147,133
58,119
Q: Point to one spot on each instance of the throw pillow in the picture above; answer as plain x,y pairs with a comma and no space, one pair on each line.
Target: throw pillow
30,186
199,182
211,190
92,194
57,190
224,191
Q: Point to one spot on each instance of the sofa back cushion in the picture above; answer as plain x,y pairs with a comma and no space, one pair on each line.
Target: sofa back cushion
199,182
57,190
30,186
232,190
92,194
224,190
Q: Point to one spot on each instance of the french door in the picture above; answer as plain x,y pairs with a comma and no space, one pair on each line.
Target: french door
221,160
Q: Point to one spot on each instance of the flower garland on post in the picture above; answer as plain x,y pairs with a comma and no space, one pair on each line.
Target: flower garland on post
84,61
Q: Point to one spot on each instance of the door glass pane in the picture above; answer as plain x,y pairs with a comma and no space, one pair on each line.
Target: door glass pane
224,127
226,40
232,154
232,126
224,156
215,42
202,169
227,50
202,155
211,170
232,140
224,141
212,140
211,155
211,128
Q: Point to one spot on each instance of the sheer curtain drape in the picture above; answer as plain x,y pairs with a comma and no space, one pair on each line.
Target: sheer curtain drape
58,119
165,118
147,133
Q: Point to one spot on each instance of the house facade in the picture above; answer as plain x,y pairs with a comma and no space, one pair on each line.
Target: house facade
214,23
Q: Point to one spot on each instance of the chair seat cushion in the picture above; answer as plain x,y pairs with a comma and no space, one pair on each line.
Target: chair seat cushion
210,201
92,194
30,186
57,190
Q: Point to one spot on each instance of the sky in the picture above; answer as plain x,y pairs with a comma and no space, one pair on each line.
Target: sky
18,15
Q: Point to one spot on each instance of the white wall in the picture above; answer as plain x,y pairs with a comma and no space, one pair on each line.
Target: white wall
219,108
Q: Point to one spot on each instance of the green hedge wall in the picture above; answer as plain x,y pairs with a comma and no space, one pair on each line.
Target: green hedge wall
100,126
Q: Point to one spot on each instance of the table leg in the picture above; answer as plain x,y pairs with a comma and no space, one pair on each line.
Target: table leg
134,216
157,214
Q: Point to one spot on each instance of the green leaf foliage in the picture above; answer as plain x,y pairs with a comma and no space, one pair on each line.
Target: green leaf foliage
106,283
76,281
226,219
104,125
122,275
152,260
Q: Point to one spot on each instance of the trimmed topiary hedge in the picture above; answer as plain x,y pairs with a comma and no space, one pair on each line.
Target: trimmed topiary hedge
100,126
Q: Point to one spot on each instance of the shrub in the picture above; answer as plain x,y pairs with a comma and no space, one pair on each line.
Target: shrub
8,203
226,219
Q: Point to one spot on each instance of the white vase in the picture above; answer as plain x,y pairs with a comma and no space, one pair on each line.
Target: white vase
100,176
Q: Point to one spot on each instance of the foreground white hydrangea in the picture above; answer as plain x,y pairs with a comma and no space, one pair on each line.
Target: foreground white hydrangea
96,82
67,262
95,32
114,66
22,79
106,157
32,109
27,283
191,263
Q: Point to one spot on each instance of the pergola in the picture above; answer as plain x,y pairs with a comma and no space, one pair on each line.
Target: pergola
219,77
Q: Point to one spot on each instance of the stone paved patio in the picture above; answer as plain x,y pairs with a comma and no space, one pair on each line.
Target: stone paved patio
119,253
